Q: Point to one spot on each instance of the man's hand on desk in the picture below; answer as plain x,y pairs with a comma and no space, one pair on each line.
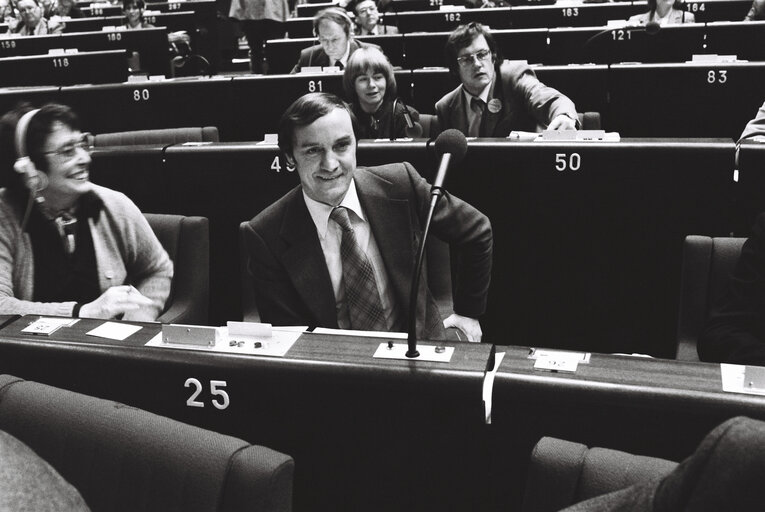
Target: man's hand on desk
469,326
562,122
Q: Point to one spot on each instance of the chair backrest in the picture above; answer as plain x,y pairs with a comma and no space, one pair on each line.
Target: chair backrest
187,242
707,266
429,123
126,459
160,136
562,473
589,120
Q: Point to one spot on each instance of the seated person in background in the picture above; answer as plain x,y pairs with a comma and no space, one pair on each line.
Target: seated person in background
69,247
756,126
663,12
496,96
368,20
339,249
8,13
32,21
133,11
67,8
336,43
370,86
735,333
757,12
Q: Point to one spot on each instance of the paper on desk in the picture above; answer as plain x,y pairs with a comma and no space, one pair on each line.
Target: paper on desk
48,325
366,334
733,379
488,385
114,330
277,345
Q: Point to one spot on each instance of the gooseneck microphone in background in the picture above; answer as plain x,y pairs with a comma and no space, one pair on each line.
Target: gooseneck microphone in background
413,129
651,28
451,146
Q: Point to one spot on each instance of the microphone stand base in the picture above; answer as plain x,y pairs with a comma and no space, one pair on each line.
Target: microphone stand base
412,353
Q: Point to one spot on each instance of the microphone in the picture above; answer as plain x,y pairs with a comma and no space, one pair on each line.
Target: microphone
451,145
413,129
651,28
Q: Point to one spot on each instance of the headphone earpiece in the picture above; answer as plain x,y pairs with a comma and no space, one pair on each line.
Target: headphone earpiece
34,180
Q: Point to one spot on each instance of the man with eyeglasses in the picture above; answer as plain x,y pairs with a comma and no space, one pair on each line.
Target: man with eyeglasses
496,96
332,26
33,23
368,20
69,247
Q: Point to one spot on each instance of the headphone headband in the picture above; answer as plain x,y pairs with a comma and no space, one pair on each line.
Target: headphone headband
21,132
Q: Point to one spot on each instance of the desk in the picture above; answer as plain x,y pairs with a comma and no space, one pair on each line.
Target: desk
644,406
366,434
199,101
714,99
76,68
151,44
344,417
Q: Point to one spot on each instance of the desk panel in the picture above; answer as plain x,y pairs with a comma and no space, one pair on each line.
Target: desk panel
78,68
746,40
259,102
675,43
446,21
715,100
751,183
717,10
588,237
365,434
571,15
148,105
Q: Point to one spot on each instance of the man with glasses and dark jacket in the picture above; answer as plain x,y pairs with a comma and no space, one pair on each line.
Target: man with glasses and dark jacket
483,106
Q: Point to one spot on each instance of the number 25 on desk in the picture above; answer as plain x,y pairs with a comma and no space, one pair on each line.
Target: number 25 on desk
219,400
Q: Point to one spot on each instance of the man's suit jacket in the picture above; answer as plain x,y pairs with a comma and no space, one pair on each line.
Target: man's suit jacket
289,273
527,104
315,55
381,30
724,473
756,126
676,17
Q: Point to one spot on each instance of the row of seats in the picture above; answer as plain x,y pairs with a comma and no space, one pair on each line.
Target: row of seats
578,45
625,95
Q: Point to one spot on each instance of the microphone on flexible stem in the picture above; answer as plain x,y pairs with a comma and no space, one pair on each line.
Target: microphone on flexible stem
651,28
413,129
451,145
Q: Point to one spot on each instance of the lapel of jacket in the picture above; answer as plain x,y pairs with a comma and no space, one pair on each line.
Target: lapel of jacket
304,260
390,223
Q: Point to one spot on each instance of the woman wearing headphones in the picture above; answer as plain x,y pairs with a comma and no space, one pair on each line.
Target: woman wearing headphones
370,86
69,247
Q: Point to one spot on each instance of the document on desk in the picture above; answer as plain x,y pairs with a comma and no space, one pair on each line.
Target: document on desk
114,331
733,380
237,342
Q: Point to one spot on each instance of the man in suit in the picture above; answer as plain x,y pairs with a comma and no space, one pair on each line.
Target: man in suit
339,250
496,96
336,43
368,20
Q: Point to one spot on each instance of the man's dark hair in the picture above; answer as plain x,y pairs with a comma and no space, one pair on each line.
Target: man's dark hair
462,37
304,111
39,129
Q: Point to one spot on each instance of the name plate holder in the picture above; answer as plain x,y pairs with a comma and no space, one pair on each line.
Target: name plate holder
754,378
